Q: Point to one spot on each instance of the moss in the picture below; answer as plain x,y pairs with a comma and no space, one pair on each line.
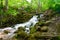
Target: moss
9,20
32,30
6,31
44,29
21,35
58,27
20,29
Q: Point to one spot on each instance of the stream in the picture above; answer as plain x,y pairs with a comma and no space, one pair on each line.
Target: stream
27,26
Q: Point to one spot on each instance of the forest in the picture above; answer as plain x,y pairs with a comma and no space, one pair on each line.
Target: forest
29,19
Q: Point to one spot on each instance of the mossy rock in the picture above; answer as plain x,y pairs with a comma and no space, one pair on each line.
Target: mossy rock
6,31
20,29
44,29
21,35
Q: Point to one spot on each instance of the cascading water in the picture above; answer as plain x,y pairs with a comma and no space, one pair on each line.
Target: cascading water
28,24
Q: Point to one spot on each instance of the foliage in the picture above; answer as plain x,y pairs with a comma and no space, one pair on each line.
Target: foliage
44,4
32,30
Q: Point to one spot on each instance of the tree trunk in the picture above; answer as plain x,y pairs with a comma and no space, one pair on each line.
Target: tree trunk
6,5
39,6
1,12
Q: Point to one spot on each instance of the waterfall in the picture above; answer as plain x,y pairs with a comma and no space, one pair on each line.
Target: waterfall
27,24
